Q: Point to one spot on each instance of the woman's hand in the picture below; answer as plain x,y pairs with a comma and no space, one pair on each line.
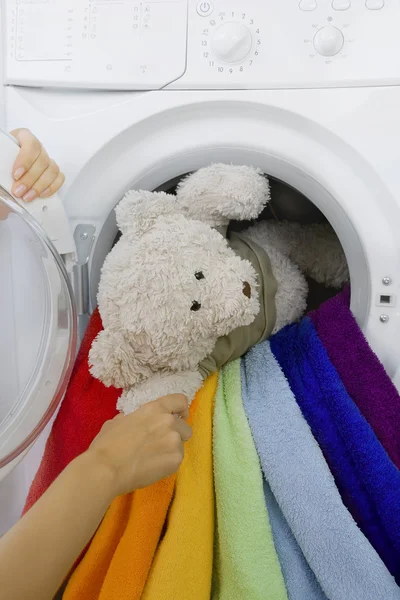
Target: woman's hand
128,453
145,446
35,174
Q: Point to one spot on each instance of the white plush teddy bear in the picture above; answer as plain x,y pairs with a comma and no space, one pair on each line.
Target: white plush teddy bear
179,296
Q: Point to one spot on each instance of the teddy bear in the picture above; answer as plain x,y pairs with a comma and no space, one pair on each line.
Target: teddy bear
181,295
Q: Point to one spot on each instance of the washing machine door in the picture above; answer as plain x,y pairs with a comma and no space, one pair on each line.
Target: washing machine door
38,329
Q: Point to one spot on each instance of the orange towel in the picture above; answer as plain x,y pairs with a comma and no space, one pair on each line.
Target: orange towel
182,567
87,579
120,555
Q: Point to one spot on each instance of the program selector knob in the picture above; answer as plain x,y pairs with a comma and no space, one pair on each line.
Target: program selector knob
232,42
328,41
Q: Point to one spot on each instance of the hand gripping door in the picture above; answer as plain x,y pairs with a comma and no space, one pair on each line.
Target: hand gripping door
37,312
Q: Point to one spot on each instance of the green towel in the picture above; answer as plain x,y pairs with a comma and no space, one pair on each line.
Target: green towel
246,565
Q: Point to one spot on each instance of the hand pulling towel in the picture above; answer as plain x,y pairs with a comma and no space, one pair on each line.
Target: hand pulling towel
182,567
360,370
366,477
118,561
87,405
343,561
245,562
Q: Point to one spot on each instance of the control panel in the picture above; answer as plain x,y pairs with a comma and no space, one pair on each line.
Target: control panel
261,44
106,44
202,44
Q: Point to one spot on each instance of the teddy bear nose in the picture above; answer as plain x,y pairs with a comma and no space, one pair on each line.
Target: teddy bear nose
247,289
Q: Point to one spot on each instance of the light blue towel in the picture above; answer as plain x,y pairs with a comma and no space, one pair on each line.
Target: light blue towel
300,581
341,558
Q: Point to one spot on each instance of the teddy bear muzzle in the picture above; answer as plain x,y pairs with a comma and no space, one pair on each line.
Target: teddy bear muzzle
247,289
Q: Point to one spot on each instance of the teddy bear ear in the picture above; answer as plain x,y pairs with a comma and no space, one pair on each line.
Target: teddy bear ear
114,362
220,193
138,210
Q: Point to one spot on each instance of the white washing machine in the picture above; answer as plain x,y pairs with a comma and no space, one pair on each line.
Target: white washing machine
129,93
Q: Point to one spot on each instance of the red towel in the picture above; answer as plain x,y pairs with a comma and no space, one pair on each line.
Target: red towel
86,406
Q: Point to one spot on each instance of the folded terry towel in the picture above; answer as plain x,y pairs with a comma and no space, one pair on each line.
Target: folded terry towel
368,480
86,406
182,566
361,372
343,561
246,564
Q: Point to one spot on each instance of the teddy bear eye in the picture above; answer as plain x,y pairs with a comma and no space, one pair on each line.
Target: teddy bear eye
195,306
199,275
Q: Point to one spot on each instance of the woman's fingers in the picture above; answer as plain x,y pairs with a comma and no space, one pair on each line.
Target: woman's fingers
30,150
175,404
35,174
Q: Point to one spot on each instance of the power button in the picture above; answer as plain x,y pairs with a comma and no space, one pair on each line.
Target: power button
204,9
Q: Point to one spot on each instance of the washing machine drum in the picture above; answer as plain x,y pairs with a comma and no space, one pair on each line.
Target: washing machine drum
37,329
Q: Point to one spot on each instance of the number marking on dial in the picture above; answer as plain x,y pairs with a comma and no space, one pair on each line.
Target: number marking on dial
235,42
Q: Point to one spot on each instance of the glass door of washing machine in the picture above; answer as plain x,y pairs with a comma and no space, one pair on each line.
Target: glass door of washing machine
37,329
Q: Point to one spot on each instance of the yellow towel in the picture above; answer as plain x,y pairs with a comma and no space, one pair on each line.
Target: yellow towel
182,568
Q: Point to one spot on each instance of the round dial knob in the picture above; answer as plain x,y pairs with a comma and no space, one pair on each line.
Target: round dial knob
232,42
328,41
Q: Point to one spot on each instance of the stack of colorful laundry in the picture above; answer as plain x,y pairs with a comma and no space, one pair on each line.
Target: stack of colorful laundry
290,486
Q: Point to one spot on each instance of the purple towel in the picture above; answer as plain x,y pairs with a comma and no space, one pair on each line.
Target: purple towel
362,374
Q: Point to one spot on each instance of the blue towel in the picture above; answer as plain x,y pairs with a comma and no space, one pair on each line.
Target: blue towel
366,477
300,581
342,560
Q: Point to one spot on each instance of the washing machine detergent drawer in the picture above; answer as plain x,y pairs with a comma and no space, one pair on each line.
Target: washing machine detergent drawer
37,314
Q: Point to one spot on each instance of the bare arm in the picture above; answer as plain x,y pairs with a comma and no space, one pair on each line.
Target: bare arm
129,453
